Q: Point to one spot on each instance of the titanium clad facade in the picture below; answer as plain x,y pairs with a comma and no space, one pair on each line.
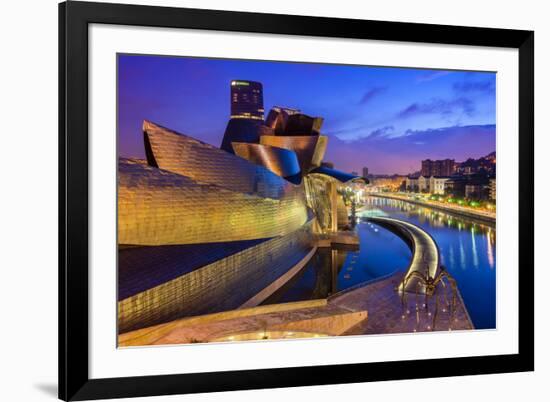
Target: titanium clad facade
301,124
342,212
282,162
205,163
319,153
329,208
223,285
310,149
203,229
157,207
319,200
277,118
286,121
141,268
243,130
342,177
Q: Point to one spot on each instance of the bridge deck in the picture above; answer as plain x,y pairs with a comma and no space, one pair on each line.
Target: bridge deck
424,248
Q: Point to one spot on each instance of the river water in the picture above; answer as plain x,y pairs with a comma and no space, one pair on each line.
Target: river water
467,250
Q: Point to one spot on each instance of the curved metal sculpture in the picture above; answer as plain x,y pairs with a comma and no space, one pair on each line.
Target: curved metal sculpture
310,149
156,207
282,162
301,124
287,121
342,177
204,163
243,130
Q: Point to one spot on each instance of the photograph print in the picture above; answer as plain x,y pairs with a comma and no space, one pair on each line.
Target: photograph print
274,200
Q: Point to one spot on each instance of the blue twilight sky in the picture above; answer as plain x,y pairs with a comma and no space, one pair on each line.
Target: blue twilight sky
387,119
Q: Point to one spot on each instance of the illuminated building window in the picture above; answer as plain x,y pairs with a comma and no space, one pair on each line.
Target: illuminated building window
247,100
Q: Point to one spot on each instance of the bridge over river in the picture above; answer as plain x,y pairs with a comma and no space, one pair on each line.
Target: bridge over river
425,252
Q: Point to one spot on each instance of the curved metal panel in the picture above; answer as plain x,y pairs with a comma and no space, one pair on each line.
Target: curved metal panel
278,118
342,213
302,124
338,175
286,121
157,207
280,161
319,200
243,130
178,153
221,285
319,152
309,149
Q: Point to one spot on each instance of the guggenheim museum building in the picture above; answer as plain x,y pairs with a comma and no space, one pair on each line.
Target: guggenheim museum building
203,229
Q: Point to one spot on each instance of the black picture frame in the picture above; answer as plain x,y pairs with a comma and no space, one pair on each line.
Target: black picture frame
74,18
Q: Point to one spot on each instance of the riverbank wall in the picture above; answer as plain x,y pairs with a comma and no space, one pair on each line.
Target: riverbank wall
461,213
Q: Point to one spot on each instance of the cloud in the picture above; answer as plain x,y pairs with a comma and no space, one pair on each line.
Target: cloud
439,106
360,132
475,86
384,154
432,75
380,133
343,131
371,94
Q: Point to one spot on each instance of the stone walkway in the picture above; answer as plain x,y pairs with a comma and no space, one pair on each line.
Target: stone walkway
316,317
388,315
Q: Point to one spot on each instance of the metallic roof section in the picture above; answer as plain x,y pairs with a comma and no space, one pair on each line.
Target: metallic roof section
157,207
178,153
309,149
282,162
285,121
243,130
338,175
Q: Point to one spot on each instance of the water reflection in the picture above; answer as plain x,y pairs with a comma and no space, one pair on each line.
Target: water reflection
462,253
490,249
329,271
317,280
474,249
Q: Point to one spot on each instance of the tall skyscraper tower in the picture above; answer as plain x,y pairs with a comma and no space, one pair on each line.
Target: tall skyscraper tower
365,171
247,100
